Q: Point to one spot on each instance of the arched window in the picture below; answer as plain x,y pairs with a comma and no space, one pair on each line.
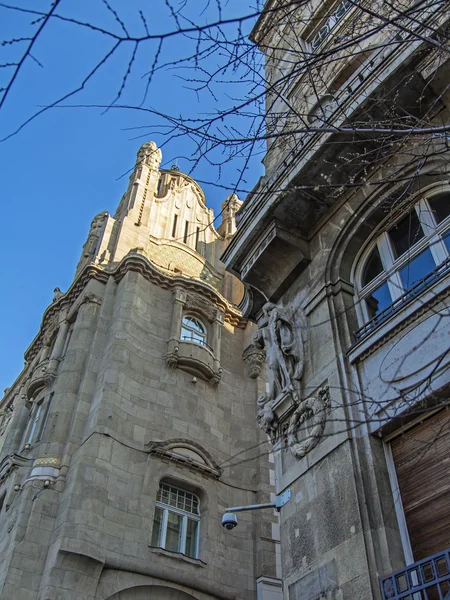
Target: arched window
406,258
177,520
193,330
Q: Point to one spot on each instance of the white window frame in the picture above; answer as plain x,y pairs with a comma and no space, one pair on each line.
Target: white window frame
166,508
432,239
186,328
35,418
330,23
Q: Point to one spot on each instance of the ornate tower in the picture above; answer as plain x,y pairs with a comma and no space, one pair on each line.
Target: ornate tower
131,427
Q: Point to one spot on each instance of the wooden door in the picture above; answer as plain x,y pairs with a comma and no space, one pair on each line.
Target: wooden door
422,462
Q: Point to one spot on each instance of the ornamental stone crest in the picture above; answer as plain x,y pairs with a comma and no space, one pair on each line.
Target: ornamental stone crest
196,303
90,246
149,154
307,423
280,334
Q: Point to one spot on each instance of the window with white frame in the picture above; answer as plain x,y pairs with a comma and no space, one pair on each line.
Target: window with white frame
193,330
407,257
332,20
35,420
39,417
177,521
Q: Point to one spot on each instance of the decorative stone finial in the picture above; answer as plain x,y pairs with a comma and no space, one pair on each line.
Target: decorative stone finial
150,155
57,293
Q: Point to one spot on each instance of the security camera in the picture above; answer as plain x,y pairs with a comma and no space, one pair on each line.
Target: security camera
229,521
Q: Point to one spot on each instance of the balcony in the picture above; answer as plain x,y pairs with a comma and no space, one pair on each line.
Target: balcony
427,579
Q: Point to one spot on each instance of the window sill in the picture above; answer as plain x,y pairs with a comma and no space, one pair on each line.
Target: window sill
400,318
196,562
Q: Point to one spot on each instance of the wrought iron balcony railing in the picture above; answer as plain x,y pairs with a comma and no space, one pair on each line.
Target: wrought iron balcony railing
427,579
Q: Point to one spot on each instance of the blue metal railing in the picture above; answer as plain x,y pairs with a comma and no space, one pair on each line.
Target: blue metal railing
427,579
414,291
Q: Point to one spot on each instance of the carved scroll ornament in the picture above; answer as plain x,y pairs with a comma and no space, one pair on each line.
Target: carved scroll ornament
311,412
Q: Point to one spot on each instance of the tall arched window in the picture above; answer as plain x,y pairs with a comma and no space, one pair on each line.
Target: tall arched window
193,330
408,256
177,520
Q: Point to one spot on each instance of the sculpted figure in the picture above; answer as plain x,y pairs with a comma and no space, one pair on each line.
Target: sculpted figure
149,154
57,293
90,246
283,343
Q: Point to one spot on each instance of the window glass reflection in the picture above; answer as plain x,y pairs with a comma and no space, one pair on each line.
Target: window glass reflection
447,240
378,300
191,538
417,269
173,533
157,524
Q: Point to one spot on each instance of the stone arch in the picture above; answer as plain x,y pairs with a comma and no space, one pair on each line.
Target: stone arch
369,212
151,592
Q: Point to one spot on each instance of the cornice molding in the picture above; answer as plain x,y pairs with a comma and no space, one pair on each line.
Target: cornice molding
132,262
197,458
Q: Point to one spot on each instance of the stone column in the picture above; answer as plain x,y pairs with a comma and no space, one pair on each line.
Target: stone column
18,425
179,299
66,390
58,346
45,353
216,337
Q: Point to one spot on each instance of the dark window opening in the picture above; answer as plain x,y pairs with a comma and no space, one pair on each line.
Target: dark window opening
373,267
197,238
406,233
417,269
186,231
440,205
174,226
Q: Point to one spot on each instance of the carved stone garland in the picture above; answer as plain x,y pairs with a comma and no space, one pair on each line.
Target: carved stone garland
312,409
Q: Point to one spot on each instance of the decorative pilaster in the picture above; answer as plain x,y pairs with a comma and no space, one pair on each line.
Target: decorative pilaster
58,346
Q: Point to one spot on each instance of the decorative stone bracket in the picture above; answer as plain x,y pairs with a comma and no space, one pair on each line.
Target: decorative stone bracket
253,358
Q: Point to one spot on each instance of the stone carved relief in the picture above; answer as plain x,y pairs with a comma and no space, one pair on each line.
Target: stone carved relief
202,306
253,358
90,246
172,358
308,422
50,331
149,154
280,335
6,415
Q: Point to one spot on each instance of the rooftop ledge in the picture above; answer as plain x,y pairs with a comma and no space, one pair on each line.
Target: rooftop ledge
290,195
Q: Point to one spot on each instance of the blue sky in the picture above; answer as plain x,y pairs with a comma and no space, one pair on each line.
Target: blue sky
68,164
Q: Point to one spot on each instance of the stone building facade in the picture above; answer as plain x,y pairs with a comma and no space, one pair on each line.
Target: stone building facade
344,248
122,439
